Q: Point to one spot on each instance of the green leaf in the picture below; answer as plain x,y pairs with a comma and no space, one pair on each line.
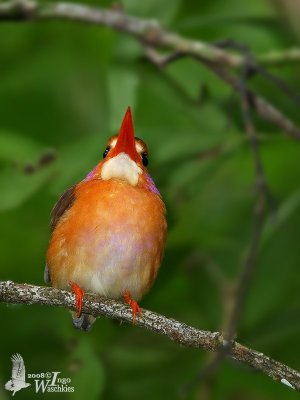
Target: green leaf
18,148
16,186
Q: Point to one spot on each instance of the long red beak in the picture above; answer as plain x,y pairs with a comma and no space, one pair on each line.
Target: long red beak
125,142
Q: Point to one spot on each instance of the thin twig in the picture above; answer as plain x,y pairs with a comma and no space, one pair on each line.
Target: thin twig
162,60
239,291
176,331
263,108
253,67
263,197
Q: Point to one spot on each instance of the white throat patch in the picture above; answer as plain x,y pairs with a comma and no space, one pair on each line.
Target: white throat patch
121,167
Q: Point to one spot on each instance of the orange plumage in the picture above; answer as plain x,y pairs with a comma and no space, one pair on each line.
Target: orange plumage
109,230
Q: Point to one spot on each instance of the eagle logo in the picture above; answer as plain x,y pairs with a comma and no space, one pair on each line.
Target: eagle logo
17,381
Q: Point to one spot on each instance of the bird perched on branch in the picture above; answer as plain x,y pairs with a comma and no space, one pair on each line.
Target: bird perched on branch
109,230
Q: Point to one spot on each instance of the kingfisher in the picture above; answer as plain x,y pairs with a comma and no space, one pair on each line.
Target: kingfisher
108,231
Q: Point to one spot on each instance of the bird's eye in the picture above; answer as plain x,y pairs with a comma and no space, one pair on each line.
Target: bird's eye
145,159
106,151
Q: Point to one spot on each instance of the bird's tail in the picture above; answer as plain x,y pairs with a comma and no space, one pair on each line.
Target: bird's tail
84,322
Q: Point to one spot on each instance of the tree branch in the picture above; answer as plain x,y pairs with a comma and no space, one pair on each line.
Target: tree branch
178,332
148,31
151,34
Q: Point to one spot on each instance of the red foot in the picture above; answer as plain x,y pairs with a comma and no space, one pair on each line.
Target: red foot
134,305
79,293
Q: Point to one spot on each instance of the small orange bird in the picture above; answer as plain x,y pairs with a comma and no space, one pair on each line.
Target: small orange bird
109,230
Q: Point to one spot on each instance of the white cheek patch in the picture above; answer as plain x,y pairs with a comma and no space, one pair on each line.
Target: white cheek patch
121,167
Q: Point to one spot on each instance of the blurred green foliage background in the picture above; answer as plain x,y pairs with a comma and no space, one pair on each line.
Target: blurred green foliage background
64,88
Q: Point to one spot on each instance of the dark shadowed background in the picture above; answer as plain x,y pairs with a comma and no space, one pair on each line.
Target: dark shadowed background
64,88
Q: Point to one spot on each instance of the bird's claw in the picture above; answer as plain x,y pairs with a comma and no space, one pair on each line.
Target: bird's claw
134,306
79,293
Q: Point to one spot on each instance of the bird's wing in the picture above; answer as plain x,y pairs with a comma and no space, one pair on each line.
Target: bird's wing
64,203
18,369
47,277
9,385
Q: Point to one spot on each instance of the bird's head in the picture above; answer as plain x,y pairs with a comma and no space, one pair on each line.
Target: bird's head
125,157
